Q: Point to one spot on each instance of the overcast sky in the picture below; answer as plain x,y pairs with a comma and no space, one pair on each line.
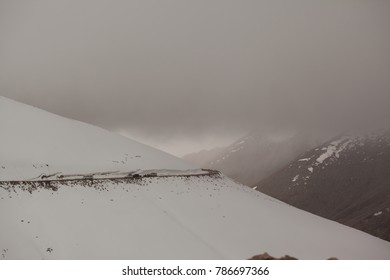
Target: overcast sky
183,75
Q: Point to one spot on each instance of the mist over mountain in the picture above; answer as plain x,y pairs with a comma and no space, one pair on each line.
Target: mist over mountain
177,72
203,157
258,154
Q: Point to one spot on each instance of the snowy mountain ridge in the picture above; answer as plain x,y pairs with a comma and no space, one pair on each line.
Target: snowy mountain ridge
331,152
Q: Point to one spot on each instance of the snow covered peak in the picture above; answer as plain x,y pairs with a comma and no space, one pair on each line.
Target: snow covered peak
34,142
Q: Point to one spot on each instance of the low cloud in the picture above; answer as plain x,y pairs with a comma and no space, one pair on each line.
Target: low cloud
191,69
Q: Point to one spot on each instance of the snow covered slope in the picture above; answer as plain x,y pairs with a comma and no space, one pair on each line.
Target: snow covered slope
199,217
34,142
175,212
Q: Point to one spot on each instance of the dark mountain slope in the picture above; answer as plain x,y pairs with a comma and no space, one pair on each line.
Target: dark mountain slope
346,180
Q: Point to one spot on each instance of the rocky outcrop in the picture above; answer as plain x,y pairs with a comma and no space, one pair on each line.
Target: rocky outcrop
266,256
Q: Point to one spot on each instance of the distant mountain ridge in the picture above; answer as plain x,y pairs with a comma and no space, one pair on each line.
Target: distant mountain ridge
259,154
203,157
346,180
